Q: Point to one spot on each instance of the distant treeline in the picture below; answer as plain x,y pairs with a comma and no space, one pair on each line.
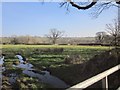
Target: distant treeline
45,41
35,40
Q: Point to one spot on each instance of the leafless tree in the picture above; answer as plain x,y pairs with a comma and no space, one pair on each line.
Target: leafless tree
99,5
100,37
54,35
90,3
14,40
114,30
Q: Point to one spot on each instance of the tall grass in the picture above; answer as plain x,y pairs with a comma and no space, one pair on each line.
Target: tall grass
54,46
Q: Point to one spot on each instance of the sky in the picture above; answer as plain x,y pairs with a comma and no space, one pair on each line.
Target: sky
36,19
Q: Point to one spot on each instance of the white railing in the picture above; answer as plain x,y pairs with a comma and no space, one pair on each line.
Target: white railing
102,76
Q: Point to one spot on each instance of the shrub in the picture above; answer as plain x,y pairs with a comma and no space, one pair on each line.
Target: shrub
48,50
57,50
74,59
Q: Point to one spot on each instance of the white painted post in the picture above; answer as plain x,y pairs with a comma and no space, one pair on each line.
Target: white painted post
105,83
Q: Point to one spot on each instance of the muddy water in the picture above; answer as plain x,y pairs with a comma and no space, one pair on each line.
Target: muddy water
43,76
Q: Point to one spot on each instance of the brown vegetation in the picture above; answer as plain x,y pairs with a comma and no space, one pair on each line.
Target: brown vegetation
79,72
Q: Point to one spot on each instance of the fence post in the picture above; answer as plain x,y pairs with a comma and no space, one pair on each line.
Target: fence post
102,76
105,83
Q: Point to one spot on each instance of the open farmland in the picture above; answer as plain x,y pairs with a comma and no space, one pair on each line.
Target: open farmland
47,56
50,54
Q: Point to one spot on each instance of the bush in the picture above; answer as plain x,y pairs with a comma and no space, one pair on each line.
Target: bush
48,50
57,50
74,59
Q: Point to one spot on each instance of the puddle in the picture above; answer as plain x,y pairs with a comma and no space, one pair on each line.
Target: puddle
13,78
2,69
47,78
43,76
24,66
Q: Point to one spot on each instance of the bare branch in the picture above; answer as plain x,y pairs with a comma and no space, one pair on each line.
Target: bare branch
62,4
114,30
117,1
83,7
98,9
54,34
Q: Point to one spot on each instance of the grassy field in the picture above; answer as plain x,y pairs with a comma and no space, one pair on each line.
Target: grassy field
45,55
49,56
52,46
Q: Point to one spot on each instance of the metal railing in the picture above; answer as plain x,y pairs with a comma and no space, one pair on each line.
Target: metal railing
102,76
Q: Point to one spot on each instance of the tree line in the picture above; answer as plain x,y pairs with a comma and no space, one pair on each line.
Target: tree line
112,34
36,40
111,37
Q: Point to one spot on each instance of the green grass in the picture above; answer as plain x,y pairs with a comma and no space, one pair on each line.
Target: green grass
40,55
53,46
46,56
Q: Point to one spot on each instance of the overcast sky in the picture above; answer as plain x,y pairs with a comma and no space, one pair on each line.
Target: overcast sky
36,19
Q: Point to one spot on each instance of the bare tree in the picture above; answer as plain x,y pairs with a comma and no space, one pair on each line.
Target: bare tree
99,5
14,40
100,37
114,30
54,35
89,3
